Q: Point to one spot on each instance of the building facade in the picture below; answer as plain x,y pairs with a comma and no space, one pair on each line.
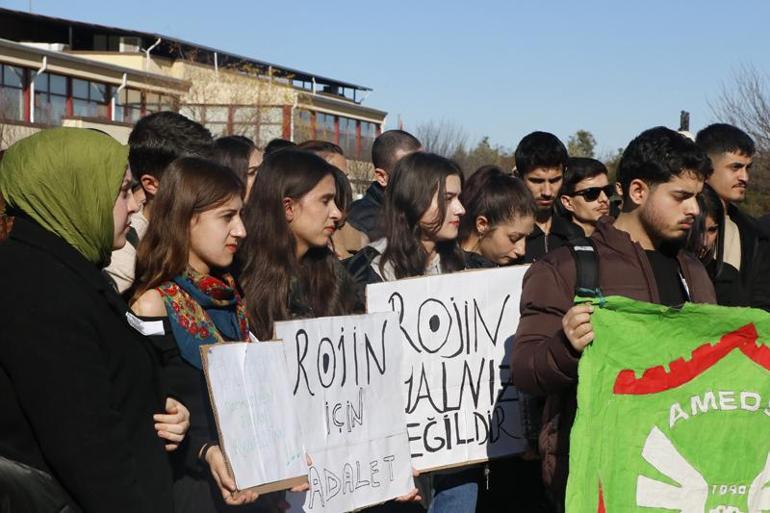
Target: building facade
61,72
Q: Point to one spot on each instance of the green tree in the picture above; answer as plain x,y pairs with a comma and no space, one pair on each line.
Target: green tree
611,160
581,144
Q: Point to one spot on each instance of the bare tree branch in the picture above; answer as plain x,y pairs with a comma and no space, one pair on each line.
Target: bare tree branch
443,137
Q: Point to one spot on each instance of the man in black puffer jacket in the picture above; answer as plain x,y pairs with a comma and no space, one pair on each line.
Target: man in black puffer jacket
366,213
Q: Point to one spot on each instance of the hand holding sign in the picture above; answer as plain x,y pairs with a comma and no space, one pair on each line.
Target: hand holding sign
225,480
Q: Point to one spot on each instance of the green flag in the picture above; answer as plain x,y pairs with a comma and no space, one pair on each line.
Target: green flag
673,411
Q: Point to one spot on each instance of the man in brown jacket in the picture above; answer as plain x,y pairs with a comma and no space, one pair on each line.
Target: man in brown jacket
661,173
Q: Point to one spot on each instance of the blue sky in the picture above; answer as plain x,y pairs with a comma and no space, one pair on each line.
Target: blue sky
497,68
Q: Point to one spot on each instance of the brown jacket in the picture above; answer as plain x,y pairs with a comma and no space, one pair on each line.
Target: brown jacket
544,362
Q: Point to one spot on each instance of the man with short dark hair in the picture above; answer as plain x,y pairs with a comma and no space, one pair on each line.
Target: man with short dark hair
388,148
540,161
661,174
731,151
155,141
585,193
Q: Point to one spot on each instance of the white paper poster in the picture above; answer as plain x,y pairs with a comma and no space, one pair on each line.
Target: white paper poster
345,380
259,428
457,335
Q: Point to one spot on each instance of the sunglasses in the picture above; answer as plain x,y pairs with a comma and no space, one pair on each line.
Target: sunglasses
592,193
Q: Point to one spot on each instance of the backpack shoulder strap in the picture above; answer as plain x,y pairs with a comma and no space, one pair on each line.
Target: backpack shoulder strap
586,267
359,265
132,237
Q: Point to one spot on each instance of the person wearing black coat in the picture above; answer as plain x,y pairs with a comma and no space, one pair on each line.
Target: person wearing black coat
78,385
388,148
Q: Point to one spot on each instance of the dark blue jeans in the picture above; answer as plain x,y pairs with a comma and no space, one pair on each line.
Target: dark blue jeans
455,492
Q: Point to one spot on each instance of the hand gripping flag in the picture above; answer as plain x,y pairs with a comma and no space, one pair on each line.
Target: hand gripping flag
673,411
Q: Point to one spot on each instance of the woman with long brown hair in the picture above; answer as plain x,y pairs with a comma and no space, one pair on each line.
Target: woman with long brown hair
186,299
422,220
288,270
500,214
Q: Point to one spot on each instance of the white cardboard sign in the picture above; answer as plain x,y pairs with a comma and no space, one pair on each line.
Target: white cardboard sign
256,419
457,336
345,380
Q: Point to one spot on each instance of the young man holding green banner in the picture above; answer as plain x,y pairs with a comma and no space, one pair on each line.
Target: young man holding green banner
661,173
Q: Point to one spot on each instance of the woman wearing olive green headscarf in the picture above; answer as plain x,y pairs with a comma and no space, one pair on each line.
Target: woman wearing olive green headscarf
67,181
79,386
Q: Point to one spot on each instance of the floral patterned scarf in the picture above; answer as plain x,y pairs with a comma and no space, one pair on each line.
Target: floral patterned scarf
203,309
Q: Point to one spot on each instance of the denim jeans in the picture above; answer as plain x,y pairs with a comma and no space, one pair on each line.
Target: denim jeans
455,492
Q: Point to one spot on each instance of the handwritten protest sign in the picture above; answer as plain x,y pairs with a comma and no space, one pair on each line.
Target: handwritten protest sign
345,377
256,419
457,333
673,411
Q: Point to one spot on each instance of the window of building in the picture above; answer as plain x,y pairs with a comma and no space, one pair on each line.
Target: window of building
11,93
128,105
90,99
324,127
303,125
368,134
106,43
154,102
260,124
348,136
50,98
216,120
246,122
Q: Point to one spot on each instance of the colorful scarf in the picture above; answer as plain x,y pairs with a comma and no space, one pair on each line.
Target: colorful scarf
203,310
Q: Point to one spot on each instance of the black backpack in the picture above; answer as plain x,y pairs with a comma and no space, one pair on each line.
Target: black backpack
586,266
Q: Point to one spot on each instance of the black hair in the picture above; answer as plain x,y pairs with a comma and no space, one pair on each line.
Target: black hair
242,138
344,196
278,144
657,155
723,138
388,144
317,146
710,205
578,169
496,195
415,180
271,271
162,137
234,151
540,150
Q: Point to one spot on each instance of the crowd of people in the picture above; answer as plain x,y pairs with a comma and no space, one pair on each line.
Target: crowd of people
119,262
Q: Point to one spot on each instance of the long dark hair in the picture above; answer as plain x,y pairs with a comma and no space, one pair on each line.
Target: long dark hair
270,268
710,206
234,151
190,186
496,195
412,185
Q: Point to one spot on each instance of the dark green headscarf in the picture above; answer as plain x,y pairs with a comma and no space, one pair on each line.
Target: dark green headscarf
67,180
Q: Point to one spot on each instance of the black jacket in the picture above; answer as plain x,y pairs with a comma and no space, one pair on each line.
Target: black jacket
539,244
366,213
748,286
78,386
194,487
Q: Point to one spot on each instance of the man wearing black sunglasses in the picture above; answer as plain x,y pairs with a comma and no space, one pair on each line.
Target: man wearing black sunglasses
585,193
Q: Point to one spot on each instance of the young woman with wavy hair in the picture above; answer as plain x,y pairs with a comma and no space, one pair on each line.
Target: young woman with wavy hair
422,220
185,299
287,268
421,223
